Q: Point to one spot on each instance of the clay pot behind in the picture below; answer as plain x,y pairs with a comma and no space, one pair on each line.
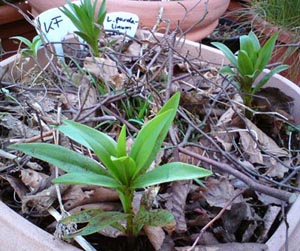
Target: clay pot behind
283,53
198,17
12,23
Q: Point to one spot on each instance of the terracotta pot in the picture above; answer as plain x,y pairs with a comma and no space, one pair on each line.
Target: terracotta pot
186,13
17,233
283,53
12,23
10,14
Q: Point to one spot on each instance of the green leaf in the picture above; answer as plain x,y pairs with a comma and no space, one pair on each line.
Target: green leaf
81,217
249,46
61,157
140,220
101,12
170,172
121,144
149,140
155,218
99,222
23,40
36,44
171,104
36,40
267,77
103,145
246,84
254,40
245,63
84,36
227,52
87,178
126,168
83,17
228,70
265,53
160,218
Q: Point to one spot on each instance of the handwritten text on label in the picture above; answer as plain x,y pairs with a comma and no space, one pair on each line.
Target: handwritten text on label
122,22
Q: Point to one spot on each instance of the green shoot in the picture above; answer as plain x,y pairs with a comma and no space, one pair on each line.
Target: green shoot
124,170
32,47
86,20
251,60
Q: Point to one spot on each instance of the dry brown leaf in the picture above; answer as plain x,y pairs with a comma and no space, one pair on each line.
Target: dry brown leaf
200,220
19,188
268,200
188,159
119,81
39,203
16,128
227,116
106,70
42,103
156,236
87,95
223,133
33,179
177,201
159,72
267,144
194,102
133,51
72,47
219,191
225,139
79,195
233,218
103,68
276,168
206,239
251,148
223,136
111,232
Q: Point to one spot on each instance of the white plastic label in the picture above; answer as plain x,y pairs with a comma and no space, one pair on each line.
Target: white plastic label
123,22
55,25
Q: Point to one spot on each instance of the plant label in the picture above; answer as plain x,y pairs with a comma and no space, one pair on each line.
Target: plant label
54,26
121,22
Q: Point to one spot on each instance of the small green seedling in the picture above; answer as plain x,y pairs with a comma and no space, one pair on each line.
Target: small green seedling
136,109
120,169
251,60
83,17
32,47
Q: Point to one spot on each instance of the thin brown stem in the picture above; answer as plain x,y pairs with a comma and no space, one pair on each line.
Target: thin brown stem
218,216
276,193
